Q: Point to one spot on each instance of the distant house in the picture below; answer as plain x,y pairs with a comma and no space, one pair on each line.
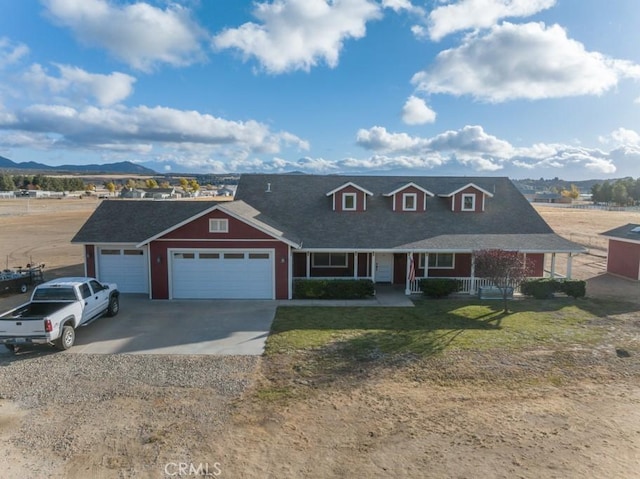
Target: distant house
148,193
132,193
623,258
548,197
284,227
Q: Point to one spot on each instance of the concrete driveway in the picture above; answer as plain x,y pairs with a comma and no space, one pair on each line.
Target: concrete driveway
222,327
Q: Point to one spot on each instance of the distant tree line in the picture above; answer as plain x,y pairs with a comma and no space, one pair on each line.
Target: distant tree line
623,192
40,182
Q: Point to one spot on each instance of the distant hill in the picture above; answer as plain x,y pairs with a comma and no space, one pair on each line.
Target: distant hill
123,167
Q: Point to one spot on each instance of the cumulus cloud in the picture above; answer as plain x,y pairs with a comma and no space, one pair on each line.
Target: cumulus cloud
416,112
76,83
11,52
298,34
92,127
624,136
138,34
529,61
472,14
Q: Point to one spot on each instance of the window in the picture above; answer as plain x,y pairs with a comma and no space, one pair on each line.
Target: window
468,202
218,225
110,251
133,252
409,201
85,292
329,260
439,260
209,255
258,255
234,256
184,255
348,201
95,286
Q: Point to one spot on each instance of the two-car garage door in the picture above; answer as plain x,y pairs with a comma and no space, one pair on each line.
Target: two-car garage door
222,274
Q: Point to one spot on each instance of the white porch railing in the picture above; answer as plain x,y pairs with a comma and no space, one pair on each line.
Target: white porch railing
414,286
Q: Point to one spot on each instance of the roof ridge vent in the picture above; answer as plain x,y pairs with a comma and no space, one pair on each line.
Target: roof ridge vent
268,190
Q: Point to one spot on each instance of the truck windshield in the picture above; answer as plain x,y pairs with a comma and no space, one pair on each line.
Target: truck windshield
54,294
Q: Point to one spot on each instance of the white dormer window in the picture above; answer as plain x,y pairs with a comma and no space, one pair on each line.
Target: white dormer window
349,202
218,225
409,201
468,202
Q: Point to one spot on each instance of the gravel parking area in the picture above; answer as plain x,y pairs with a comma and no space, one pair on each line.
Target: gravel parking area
129,413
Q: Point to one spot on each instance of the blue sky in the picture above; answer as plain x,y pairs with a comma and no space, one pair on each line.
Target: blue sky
518,88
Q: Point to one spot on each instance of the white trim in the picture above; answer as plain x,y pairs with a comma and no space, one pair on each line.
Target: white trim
468,185
344,201
473,201
408,185
405,196
216,240
223,225
346,185
225,211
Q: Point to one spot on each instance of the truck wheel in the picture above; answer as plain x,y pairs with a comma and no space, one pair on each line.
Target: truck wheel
114,306
66,339
24,288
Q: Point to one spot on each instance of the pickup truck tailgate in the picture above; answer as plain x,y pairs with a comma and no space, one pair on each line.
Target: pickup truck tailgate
21,327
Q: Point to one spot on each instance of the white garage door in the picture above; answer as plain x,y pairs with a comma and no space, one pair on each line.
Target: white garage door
125,266
215,274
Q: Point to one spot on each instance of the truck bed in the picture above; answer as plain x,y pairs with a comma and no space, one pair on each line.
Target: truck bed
33,311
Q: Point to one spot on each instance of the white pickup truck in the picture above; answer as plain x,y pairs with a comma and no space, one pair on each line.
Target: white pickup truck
56,309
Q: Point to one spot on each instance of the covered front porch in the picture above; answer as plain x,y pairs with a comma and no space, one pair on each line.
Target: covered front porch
409,267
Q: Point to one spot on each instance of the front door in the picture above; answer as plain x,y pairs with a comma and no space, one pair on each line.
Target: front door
384,268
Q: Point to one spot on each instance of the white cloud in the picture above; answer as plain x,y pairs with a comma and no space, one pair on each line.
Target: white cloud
76,83
528,61
138,34
472,14
298,34
11,52
623,136
103,128
416,112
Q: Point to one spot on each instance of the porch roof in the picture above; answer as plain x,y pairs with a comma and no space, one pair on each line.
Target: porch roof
530,243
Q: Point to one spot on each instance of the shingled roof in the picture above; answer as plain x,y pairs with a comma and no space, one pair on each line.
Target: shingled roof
630,232
300,204
122,221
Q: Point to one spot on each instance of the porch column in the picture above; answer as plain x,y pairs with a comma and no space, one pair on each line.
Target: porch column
472,282
569,264
308,268
553,265
426,265
290,273
355,264
373,267
407,281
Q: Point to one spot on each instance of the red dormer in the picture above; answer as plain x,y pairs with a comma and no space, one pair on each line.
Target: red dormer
468,198
409,197
349,197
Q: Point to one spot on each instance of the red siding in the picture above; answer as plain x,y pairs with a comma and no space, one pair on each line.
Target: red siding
624,259
360,199
536,263
398,202
196,235
457,200
90,260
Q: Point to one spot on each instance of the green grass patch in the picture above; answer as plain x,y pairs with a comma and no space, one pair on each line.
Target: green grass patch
433,326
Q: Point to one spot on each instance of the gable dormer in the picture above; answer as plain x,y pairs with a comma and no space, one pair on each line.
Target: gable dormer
409,197
469,198
349,197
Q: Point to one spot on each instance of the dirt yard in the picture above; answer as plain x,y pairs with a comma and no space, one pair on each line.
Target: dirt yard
529,414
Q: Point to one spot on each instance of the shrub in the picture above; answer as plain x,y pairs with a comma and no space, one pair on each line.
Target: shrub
332,288
574,288
540,288
439,287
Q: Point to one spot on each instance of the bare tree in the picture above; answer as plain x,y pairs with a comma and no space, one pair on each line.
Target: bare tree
505,269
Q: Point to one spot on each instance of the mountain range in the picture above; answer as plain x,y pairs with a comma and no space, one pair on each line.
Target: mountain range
123,167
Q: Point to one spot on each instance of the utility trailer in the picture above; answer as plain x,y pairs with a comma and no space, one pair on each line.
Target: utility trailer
19,280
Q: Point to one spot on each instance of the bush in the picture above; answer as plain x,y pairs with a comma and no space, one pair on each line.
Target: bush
540,288
574,288
332,288
439,287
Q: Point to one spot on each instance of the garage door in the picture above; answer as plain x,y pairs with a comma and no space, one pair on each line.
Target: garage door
214,274
125,266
